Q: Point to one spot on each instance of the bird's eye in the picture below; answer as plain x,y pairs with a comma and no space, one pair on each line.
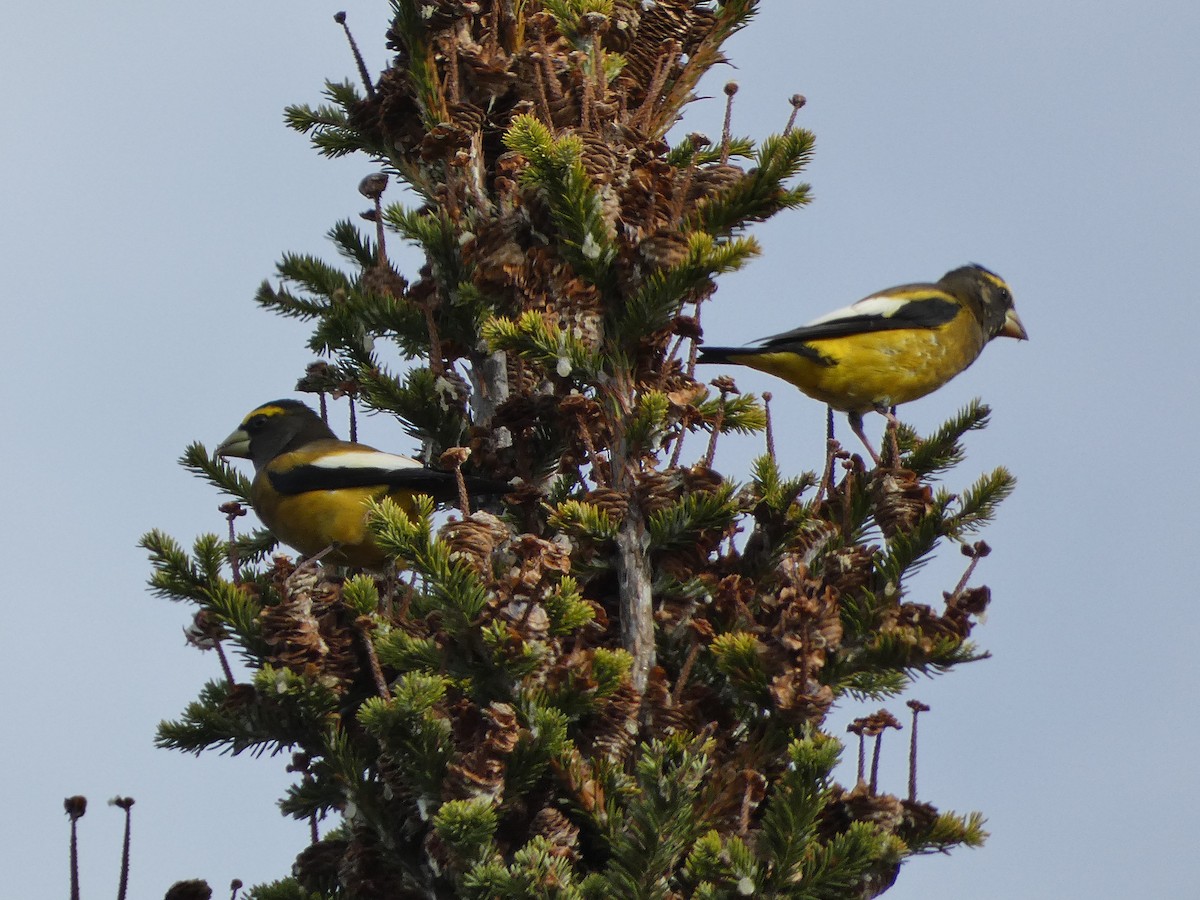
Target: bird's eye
1005,296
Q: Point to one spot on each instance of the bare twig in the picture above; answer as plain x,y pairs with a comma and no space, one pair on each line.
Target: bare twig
362,631
75,807
731,89
797,101
767,397
917,708
125,803
340,18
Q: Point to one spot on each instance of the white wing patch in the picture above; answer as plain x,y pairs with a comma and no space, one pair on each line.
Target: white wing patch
878,305
366,459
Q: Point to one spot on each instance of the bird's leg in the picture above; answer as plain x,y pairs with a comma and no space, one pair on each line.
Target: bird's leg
856,425
312,561
831,451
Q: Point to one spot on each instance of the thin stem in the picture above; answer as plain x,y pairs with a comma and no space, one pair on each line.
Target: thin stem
684,673
380,234
340,18
917,708
224,661
585,435
978,551
694,349
436,365
730,90
364,637
75,808
232,511
711,453
797,101
875,761
125,803
767,397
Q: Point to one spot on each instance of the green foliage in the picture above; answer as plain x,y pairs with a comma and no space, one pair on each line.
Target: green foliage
361,594
952,830
686,152
555,350
942,450
760,195
287,889
568,14
684,522
574,517
176,575
610,670
328,125
567,609
836,869
907,552
979,502
404,652
436,234
278,716
666,290
557,172
226,479
428,405
452,588
739,657
789,825
536,871
649,422
467,827
412,729
651,833
740,413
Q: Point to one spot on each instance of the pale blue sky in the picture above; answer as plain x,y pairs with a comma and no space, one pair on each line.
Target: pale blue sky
148,185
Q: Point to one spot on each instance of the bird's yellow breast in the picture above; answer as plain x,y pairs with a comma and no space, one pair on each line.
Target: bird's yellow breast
881,368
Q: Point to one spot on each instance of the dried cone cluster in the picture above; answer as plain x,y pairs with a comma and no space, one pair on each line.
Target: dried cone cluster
310,631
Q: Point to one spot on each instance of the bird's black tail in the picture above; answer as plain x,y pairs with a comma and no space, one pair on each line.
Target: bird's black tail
478,486
722,354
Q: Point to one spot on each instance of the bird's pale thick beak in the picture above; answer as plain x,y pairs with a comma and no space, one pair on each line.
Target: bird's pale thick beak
237,444
1013,327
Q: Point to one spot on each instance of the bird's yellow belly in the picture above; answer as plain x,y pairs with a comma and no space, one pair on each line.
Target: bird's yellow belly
885,368
316,520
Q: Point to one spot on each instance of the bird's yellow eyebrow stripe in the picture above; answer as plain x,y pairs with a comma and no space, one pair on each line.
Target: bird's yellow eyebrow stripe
265,411
994,279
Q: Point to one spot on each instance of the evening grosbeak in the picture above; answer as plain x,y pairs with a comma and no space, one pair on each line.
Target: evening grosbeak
310,489
888,348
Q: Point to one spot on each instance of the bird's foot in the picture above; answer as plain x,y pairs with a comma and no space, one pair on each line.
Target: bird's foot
856,425
312,564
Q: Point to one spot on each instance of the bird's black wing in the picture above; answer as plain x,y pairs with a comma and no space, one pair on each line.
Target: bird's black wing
371,468
909,306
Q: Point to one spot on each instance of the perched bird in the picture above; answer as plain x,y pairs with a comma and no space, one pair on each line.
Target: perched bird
889,348
310,489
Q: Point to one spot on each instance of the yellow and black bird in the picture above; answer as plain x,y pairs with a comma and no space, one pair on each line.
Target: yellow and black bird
310,489
888,348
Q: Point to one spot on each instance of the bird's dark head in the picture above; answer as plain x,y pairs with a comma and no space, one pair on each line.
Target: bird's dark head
273,428
988,297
